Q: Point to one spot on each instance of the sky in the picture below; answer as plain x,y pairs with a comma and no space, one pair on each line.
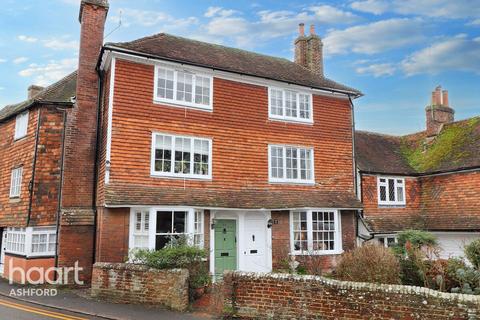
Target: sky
394,51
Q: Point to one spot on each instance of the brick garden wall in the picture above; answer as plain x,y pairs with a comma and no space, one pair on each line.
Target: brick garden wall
128,283
283,296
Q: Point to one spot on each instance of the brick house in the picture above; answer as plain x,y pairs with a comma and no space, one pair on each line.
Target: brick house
250,156
428,180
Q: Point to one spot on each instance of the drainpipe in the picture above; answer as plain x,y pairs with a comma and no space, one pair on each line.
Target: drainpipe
32,181
59,204
95,168
353,145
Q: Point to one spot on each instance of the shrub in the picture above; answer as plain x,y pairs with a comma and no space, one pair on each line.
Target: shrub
414,239
472,252
369,263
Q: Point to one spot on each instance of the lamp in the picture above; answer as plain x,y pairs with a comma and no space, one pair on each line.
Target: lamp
269,223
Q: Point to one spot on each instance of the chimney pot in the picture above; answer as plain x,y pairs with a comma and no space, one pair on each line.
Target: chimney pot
312,29
438,113
301,29
33,90
445,98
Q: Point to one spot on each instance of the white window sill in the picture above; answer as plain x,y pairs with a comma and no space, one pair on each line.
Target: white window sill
293,182
392,205
183,105
181,177
290,120
316,253
15,139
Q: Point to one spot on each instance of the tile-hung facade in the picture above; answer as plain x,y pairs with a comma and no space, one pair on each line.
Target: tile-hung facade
247,155
428,180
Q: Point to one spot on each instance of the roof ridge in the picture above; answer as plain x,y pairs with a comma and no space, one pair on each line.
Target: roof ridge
55,85
378,134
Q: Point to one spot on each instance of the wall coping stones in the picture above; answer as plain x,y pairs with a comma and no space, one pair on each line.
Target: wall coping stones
360,286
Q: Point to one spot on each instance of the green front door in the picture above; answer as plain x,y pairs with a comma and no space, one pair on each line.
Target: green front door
225,246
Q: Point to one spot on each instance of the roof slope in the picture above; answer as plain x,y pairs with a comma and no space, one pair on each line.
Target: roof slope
219,57
456,147
59,92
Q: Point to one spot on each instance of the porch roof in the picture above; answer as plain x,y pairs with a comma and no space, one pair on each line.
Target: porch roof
138,195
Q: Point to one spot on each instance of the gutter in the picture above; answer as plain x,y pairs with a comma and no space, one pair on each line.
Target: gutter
31,184
155,57
433,173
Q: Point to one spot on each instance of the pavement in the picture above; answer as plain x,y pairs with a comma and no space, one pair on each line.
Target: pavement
77,302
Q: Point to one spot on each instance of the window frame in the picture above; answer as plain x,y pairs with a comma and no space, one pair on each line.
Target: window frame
382,239
338,245
284,117
272,179
27,234
172,174
179,103
16,182
388,202
17,133
152,228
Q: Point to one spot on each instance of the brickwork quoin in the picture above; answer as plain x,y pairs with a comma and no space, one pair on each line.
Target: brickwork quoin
284,296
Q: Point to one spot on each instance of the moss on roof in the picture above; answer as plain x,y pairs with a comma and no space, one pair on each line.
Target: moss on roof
449,149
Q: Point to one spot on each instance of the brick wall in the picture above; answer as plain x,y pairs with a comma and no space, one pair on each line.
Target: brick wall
128,283
283,296
112,234
240,139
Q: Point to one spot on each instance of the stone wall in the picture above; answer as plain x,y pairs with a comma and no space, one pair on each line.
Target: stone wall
283,296
129,283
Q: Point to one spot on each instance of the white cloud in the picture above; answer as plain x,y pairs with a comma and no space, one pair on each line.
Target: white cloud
458,9
3,60
329,14
377,70
27,38
475,22
2,88
458,54
50,72
148,18
20,60
61,44
374,37
218,11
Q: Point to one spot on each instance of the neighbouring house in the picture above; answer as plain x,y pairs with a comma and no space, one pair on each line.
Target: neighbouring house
250,156
428,180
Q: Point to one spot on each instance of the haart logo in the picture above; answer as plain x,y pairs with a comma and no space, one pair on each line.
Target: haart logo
40,275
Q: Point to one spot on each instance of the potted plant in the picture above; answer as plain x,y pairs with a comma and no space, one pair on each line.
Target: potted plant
199,279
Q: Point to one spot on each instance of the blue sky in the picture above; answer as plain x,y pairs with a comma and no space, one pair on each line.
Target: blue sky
394,51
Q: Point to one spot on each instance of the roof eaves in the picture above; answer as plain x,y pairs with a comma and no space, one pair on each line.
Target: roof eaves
110,46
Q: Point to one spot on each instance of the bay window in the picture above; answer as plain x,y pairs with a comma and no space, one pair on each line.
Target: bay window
153,228
391,191
179,156
290,105
290,164
315,232
183,87
31,241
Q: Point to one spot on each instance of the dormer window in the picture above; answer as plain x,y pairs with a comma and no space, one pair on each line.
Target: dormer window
391,191
183,88
290,105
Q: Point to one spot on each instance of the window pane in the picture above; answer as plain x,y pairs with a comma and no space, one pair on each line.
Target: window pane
305,164
290,103
304,106
165,83
201,151
202,90
391,189
300,235
161,241
184,86
276,100
276,162
182,155
323,228
179,221
383,193
164,221
291,159
400,193
163,153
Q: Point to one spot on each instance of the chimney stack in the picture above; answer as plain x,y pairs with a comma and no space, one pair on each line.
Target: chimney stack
33,90
438,112
309,50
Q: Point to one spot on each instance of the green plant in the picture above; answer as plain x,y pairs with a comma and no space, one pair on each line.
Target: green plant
199,276
414,239
472,252
369,263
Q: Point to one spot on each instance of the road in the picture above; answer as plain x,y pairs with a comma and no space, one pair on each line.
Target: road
12,309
